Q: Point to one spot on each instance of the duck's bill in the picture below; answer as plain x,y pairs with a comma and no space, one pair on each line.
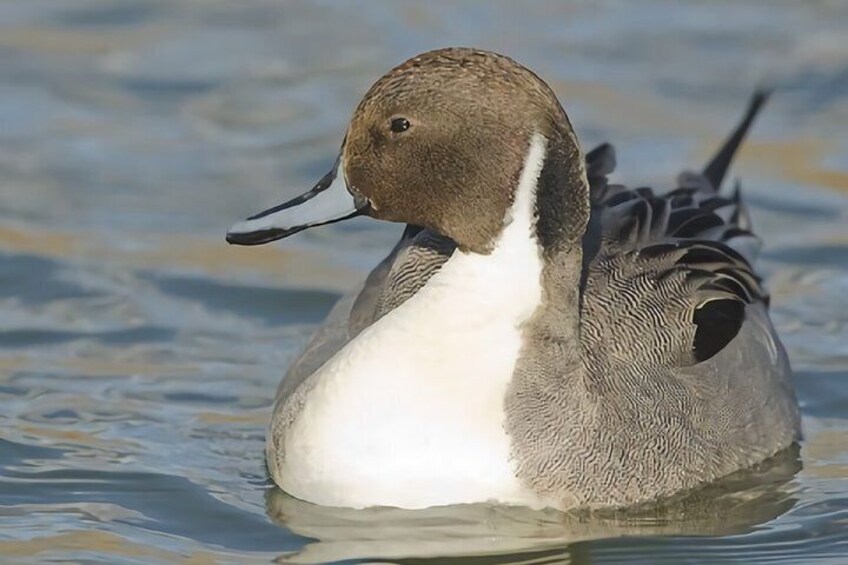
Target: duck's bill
328,202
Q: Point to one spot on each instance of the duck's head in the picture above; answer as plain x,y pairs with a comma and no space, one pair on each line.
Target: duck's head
441,142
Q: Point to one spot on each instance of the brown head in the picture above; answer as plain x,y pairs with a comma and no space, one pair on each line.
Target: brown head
440,142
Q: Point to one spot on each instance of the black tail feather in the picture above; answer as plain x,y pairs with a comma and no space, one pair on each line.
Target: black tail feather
718,165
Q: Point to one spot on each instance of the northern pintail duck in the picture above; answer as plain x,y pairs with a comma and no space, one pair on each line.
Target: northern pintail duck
538,336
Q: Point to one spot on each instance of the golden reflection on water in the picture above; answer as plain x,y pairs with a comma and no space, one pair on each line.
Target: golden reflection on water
62,41
149,250
94,541
799,160
822,447
258,418
608,103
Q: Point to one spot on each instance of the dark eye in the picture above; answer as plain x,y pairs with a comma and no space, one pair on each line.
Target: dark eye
400,125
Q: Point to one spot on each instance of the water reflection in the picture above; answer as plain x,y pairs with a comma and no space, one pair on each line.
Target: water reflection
520,535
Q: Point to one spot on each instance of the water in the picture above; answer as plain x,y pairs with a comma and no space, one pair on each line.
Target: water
139,353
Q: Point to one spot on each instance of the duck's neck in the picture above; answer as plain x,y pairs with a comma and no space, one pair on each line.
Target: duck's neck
538,254
505,282
562,214
534,264
562,194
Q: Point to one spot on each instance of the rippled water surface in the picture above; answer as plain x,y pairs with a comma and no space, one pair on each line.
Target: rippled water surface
139,353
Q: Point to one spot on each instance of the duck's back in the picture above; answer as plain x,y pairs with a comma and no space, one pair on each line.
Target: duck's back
679,377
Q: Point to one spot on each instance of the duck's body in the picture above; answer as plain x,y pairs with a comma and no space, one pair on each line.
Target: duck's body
601,347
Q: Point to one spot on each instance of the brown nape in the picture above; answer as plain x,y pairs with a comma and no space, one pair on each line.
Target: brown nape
440,142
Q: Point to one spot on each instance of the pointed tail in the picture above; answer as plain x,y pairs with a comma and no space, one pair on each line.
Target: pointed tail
718,165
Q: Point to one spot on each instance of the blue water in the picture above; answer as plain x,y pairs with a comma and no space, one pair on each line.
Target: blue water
139,353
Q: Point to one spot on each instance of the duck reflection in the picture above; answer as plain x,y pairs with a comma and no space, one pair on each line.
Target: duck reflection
486,534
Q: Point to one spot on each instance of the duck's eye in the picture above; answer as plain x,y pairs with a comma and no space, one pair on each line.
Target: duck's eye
400,125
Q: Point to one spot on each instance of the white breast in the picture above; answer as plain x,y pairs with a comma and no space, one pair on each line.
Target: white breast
410,413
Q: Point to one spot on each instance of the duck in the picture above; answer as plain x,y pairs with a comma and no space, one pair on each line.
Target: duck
539,336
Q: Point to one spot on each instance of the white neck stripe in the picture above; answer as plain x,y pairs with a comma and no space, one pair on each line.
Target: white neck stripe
522,211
